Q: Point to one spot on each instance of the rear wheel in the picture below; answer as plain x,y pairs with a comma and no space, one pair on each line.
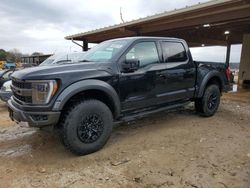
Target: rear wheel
209,103
86,127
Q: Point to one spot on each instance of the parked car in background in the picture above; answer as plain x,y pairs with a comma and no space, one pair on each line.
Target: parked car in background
63,58
18,65
2,63
5,76
9,65
5,91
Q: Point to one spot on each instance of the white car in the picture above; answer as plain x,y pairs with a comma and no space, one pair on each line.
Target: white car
63,58
5,91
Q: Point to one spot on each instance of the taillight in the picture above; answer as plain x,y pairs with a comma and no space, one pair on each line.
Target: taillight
228,73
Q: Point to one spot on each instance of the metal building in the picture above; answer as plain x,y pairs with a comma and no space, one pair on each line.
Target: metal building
34,59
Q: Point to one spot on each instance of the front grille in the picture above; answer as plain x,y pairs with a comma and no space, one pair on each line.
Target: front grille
26,99
19,93
21,85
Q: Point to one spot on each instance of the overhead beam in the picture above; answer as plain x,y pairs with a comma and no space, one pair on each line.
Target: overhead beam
106,36
196,21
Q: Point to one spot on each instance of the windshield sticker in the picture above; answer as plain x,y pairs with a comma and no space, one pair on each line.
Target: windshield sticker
109,49
115,45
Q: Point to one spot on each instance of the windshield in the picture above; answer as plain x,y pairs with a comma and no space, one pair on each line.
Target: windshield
63,58
105,51
48,61
76,57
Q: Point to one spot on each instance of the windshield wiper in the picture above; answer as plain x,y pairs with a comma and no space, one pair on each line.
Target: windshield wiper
62,62
84,60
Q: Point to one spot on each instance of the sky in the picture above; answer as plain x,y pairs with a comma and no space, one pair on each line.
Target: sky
41,25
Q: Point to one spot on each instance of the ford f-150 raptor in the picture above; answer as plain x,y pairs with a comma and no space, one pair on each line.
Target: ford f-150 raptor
117,80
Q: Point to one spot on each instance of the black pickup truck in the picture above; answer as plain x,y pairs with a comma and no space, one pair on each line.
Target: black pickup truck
118,80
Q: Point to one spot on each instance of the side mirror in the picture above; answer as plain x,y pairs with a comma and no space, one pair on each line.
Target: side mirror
130,65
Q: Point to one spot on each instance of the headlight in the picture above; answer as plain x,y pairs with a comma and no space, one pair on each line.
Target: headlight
43,91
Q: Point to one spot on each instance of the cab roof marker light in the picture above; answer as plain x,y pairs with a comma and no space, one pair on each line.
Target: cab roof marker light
206,25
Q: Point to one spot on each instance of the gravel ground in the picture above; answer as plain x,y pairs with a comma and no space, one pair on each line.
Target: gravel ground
168,149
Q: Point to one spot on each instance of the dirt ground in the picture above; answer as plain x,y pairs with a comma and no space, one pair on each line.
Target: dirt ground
169,149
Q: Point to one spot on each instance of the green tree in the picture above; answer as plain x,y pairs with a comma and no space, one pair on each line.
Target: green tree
3,55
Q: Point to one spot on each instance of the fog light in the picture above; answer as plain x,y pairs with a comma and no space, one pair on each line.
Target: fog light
39,117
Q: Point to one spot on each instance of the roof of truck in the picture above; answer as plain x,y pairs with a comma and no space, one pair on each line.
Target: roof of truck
147,37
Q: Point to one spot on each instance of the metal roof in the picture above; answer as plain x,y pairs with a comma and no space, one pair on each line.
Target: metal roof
149,18
188,23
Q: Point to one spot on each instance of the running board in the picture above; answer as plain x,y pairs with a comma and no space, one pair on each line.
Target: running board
146,113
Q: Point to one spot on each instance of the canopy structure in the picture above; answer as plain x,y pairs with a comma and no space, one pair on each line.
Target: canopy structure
218,22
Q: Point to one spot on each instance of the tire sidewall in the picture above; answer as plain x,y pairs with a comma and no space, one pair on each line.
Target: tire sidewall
76,116
212,89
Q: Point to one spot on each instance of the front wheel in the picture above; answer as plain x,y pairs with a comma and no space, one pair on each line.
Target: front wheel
86,127
209,103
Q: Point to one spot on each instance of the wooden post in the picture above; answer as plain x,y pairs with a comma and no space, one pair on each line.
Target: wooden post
228,54
85,45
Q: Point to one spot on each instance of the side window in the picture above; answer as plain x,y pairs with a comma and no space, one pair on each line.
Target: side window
145,52
174,52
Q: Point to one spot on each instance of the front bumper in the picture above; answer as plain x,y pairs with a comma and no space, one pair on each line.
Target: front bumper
5,95
34,119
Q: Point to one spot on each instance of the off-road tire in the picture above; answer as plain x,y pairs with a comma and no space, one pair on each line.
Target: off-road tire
75,121
209,103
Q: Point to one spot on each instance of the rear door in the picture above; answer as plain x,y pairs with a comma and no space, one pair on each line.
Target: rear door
177,75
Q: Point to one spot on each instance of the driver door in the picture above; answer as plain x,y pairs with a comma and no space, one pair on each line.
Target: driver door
137,88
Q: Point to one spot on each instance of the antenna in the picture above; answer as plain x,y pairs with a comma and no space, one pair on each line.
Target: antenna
121,14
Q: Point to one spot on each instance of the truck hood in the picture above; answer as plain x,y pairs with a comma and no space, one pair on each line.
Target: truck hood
63,72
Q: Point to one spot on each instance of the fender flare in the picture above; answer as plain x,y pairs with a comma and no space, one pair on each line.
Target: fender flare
209,76
84,85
